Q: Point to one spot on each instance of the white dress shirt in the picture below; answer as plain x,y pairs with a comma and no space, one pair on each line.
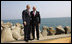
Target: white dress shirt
34,13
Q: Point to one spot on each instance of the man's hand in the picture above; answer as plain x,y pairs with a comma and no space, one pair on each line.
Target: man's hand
25,23
39,24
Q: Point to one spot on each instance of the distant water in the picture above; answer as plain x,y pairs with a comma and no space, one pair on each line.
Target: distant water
50,22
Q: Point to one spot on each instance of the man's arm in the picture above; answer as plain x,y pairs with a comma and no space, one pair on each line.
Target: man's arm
23,17
39,18
31,17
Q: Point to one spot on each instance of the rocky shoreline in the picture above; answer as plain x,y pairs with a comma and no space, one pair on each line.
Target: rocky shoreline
48,39
10,32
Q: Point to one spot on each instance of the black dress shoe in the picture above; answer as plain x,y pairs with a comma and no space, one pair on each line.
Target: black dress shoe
37,38
29,39
26,40
33,38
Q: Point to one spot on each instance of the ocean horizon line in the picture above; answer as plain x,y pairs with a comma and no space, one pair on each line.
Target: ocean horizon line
41,18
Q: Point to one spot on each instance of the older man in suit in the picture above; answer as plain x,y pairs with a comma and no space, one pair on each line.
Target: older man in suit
35,15
26,23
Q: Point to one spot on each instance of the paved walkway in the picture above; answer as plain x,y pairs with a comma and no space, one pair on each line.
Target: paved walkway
64,38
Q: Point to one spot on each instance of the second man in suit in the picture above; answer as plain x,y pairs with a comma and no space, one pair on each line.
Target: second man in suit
35,15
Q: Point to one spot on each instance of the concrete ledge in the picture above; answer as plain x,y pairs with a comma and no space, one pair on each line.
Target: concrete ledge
46,38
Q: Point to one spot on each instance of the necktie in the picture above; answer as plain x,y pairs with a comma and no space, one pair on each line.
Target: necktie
28,12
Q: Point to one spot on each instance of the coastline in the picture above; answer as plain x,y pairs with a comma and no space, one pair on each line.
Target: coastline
50,22
65,38
60,40
15,33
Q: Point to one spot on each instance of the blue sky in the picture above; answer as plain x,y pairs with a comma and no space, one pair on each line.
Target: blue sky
47,9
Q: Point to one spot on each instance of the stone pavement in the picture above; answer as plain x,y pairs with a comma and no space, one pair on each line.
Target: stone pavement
46,38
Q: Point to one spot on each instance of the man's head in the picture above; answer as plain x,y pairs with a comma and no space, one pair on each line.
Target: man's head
28,7
34,8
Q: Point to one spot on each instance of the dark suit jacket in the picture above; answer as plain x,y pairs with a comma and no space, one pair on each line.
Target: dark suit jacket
35,19
26,16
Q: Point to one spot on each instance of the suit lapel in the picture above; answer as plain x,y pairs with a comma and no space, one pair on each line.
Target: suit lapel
36,13
27,13
32,13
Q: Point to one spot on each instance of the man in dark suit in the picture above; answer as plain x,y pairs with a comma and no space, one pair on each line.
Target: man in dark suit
26,23
35,15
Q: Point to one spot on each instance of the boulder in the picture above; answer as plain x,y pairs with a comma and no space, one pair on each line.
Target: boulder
51,31
22,27
2,22
22,32
40,35
5,26
13,27
19,25
45,27
6,35
1,28
60,30
44,31
9,24
67,29
16,33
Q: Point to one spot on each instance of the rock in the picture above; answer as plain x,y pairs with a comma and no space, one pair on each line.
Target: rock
22,38
19,25
6,35
5,26
44,31
45,27
1,28
16,33
2,22
60,30
40,35
22,32
67,29
51,31
13,27
22,27
9,24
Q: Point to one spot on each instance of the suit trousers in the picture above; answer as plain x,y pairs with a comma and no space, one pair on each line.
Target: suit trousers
26,32
33,30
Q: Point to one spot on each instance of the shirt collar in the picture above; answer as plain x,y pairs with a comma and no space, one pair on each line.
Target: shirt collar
34,11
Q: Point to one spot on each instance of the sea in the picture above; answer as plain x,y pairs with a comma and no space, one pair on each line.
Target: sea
50,22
